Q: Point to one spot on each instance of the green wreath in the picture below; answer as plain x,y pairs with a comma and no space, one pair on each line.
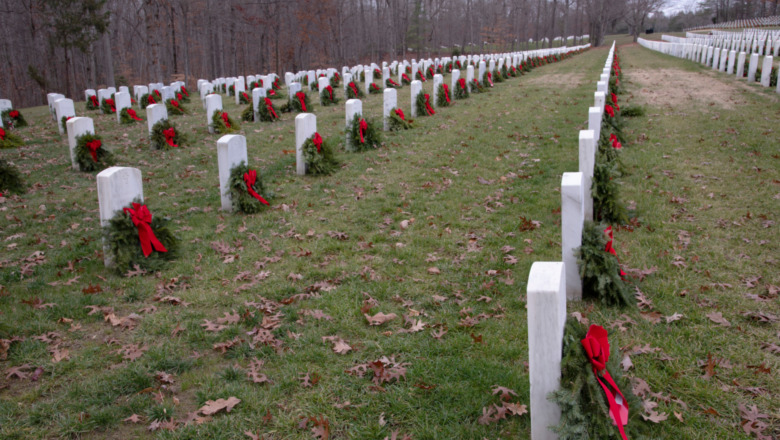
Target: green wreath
315,86
84,158
584,410
239,193
405,79
391,84
182,95
397,124
10,178
295,105
16,121
351,93
64,123
321,162
272,94
244,98
105,105
475,86
327,99
335,80
92,105
276,85
448,67
374,89
9,140
220,127
248,115
145,101
125,248
372,136
419,103
441,98
498,76
158,139
429,73
265,113
600,270
419,76
232,89
486,81
125,118
461,92
175,110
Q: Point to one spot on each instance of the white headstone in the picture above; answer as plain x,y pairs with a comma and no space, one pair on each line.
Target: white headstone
124,89
111,91
572,221
311,77
231,151
293,89
289,77
753,67
239,89
601,86
385,75
117,187
63,108
352,107
587,161
715,59
103,94
389,103
732,60
546,304
121,101
437,81
741,65
51,98
305,127
88,93
154,114
599,99
323,82
724,55
258,94
766,71
77,127
469,75
213,104
455,78
369,73
229,82
415,90
595,114
139,91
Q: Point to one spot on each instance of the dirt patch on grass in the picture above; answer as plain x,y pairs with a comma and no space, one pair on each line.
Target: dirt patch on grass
561,81
680,88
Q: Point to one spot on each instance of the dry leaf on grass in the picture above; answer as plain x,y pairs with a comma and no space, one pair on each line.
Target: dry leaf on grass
214,406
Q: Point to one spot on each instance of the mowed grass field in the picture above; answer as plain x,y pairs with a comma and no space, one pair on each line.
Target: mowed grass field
439,226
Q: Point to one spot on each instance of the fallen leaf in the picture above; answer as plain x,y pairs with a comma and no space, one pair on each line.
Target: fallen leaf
380,318
214,406
717,317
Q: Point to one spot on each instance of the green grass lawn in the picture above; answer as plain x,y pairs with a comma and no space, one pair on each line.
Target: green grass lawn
433,227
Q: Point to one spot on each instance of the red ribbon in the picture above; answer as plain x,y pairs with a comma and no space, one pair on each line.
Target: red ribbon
392,82
14,114
93,146
614,98
111,104
302,99
490,79
225,119
330,92
170,134
400,114
157,94
446,92
354,88
596,346
175,103
615,143
184,90
609,247
374,86
270,106
428,107
430,70
141,218
363,128
457,63
245,96
271,93
462,83
317,141
403,75
133,114
2,134
179,96
151,100
421,76
94,100
250,178
610,111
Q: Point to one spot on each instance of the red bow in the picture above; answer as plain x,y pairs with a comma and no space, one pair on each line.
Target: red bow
111,104
225,119
245,96
462,83
363,128
430,70
179,96
354,88
184,90
94,100
400,114
428,107
170,133
302,99
374,86
317,141
93,146
490,79
330,92
421,76
403,75
609,247
133,114
157,94
596,346
615,143
614,98
14,114
270,106
2,134
250,178
271,93
175,103
610,111
457,63
446,92
392,82
141,218
151,100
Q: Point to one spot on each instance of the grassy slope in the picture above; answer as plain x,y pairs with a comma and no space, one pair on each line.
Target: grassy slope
526,126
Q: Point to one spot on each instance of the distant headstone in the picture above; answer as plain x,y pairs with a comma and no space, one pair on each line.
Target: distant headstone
305,127
231,151
51,98
572,221
122,101
595,114
213,104
753,67
77,127
369,74
732,61
741,65
390,102
154,114
88,93
766,71
438,80
63,108
587,162
117,187
415,90
258,94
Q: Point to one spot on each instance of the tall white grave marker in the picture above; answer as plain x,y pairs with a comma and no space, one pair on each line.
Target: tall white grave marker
77,127
572,221
213,104
416,89
154,114
231,151
117,187
587,160
305,127
389,103
63,108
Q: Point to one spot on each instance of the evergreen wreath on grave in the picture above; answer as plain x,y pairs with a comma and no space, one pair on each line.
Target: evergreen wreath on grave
607,206
599,268
128,116
244,98
266,110
374,89
408,69
136,238
513,72
429,73
613,118
315,86
175,108
92,103
335,80
9,140
13,119
90,153
10,178
64,122
389,83
248,115
488,81
443,96
448,67
398,120
354,91
273,94
223,123
165,136
232,89
276,85
363,135
458,64
299,103
405,79
440,69
327,97
318,155
255,85
499,76
108,106
147,100
362,76
585,412
183,90
476,87
156,94
423,105
419,76
461,89
377,73
246,189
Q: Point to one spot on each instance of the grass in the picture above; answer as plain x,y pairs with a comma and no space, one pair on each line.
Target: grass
465,180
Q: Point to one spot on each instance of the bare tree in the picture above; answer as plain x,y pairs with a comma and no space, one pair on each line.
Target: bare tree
637,12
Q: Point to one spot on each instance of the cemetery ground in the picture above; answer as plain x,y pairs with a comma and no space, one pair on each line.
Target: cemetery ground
439,227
